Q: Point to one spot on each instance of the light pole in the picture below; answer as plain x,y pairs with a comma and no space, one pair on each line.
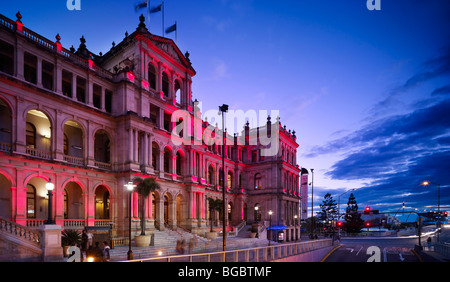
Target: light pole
223,109
295,227
438,223
130,186
312,203
339,207
50,186
270,226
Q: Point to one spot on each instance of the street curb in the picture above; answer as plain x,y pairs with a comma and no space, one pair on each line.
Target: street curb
329,253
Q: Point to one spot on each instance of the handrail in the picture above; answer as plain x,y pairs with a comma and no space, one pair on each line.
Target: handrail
20,231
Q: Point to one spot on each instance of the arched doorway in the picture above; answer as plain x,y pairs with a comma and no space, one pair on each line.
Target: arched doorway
102,203
180,210
5,198
6,127
166,210
73,201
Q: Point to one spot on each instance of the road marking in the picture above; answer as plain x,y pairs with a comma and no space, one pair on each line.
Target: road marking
359,251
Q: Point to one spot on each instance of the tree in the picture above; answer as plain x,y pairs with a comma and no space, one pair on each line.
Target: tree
144,187
214,205
353,223
329,208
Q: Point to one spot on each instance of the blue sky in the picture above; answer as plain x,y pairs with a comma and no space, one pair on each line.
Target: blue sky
367,92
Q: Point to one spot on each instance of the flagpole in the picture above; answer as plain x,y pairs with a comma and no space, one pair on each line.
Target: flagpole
176,32
148,9
163,18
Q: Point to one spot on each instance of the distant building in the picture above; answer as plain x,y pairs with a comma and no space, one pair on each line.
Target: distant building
90,123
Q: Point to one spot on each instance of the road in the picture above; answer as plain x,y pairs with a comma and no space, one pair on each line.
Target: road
374,250
379,249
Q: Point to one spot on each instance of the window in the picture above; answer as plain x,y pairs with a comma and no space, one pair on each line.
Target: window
30,68
31,201
230,180
178,91
165,85
97,96
108,101
67,83
81,89
257,181
152,76
211,175
47,75
6,58
254,156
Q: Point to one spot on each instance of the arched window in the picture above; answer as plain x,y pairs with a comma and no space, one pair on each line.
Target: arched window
165,84
179,163
167,157
178,91
152,76
230,179
257,181
211,175
31,201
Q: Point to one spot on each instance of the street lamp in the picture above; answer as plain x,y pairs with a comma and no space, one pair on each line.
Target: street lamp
312,203
223,109
50,186
130,186
270,225
295,227
438,223
339,207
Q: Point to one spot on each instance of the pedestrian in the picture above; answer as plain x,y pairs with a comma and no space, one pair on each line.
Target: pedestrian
191,246
429,243
84,244
183,246
97,253
178,247
106,253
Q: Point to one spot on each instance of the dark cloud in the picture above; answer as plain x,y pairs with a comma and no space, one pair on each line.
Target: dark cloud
395,154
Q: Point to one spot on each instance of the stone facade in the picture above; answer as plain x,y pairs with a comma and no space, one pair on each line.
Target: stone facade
89,123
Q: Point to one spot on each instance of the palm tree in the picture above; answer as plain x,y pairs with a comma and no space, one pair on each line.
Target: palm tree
214,205
144,187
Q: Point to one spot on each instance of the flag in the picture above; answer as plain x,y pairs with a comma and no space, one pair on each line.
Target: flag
141,5
171,28
156,9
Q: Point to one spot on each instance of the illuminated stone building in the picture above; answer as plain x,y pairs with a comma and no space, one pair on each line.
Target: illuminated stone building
90,123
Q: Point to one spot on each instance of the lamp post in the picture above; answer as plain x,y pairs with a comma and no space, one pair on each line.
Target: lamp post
270,226
130,186
312,204
438,223
339,207
50,186
295,227
223,109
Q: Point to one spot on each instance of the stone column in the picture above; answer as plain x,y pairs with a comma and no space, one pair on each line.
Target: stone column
51,243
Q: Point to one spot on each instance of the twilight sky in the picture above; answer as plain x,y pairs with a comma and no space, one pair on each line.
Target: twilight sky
367,92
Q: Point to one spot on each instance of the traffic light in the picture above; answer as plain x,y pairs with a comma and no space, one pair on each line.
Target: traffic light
367,210
339,223
367,224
